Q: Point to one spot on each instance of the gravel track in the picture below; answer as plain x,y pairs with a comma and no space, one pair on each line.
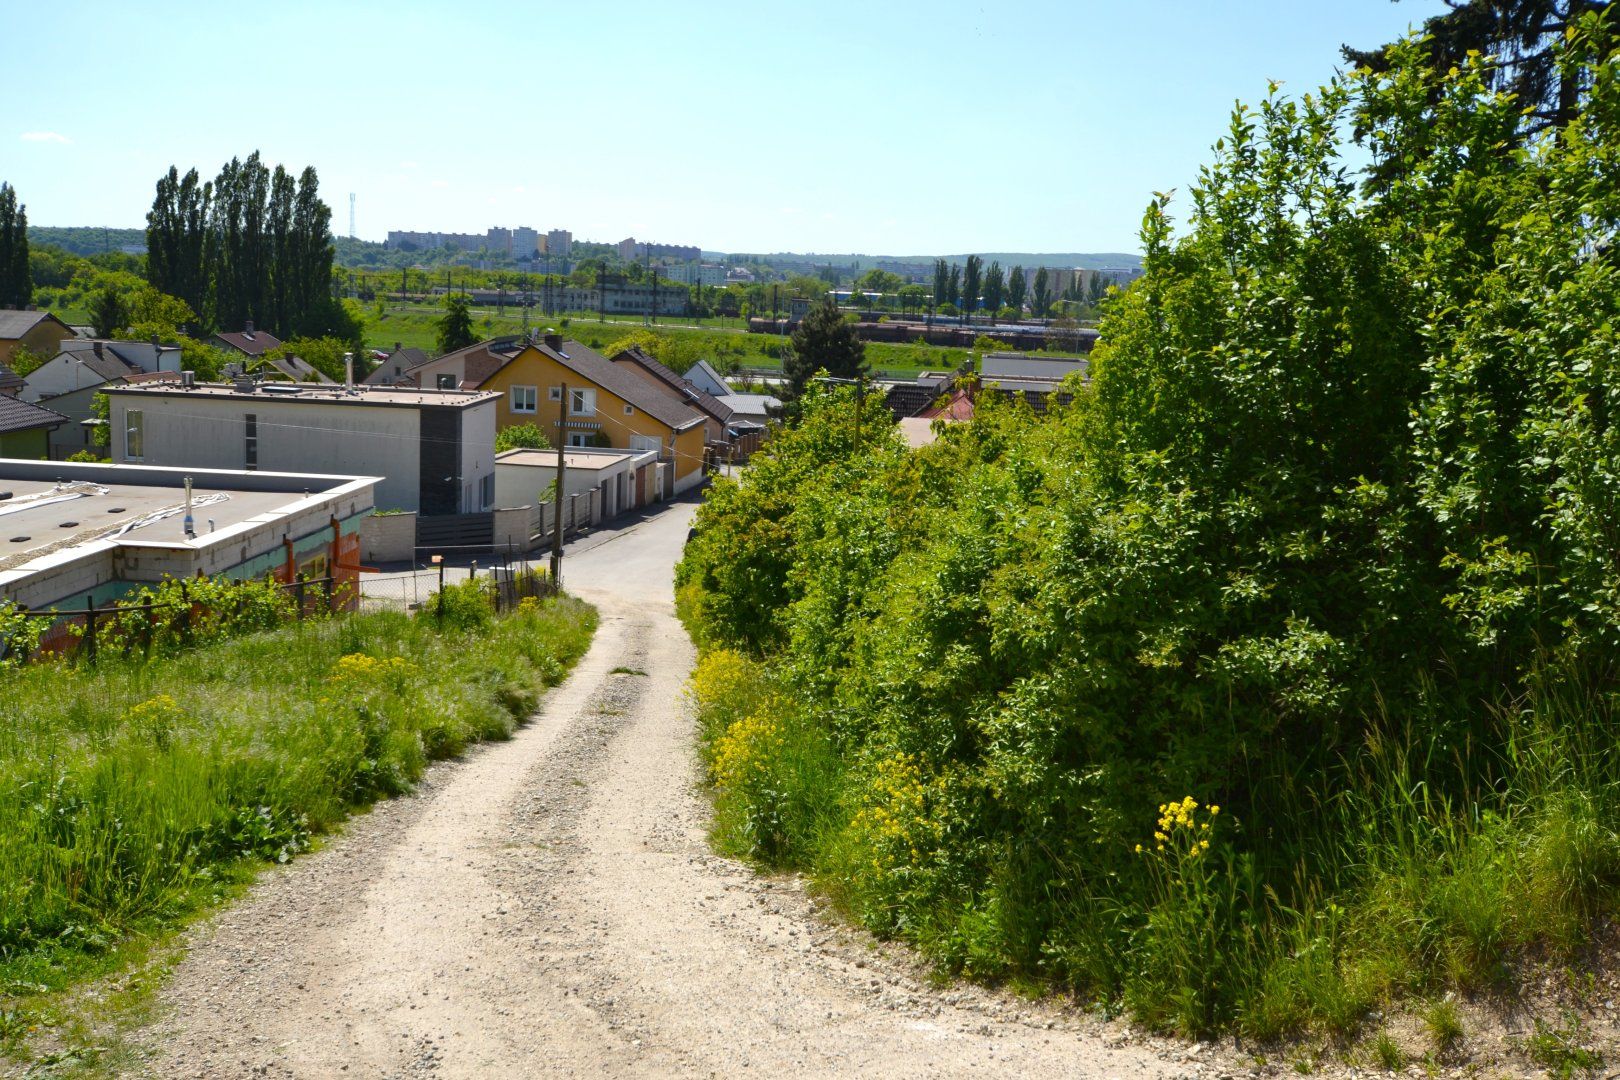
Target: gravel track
550,906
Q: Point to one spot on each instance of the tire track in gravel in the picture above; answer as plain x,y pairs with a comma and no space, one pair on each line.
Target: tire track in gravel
549,906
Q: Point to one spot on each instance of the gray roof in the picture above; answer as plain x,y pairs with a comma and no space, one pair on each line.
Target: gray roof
685,390
630,387
21,416
9,380
14,324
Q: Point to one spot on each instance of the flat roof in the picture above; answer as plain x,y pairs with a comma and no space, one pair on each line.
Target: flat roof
321,393
48,507
588,459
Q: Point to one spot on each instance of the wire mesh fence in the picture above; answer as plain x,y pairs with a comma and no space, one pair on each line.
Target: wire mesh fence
509,579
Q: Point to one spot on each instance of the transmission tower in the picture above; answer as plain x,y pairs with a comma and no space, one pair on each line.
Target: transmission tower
351,215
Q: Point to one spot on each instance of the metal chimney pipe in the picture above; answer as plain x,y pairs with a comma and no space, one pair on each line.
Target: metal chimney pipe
348,373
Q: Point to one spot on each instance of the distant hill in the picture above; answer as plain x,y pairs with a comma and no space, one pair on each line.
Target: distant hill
89,239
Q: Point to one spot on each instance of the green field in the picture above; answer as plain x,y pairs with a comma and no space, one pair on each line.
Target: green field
413,325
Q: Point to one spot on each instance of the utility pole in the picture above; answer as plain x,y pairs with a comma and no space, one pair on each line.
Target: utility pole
557,525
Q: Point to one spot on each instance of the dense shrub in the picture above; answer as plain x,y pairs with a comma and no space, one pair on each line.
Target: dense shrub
1327,543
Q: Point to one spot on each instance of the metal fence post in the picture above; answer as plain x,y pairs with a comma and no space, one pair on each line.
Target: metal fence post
90,629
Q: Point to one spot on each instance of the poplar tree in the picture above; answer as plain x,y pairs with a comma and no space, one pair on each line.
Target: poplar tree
1016,289
16,279
995,288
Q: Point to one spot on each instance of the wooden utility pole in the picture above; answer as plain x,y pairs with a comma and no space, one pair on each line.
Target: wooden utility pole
557,525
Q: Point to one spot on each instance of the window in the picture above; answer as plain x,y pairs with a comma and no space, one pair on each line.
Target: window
134,435
629,410
523,399
582,403
251,453
445,382
579,439
555,394
487,491
645,442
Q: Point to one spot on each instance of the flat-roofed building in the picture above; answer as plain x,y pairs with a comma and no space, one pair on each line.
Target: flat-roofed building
75,533
433,450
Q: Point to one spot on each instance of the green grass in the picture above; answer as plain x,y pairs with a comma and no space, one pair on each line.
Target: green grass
133,796
413,325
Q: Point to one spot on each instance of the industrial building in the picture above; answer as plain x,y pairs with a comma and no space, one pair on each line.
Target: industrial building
74,533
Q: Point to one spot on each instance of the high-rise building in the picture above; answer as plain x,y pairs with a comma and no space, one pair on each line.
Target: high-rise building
559,242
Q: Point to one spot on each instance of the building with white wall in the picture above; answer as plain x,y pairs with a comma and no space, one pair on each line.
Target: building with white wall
433,449
74,533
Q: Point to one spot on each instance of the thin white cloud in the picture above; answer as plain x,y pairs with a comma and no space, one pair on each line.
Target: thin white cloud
439,183
45,136
409,165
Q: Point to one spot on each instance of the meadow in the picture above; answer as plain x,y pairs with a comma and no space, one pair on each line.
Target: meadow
135,794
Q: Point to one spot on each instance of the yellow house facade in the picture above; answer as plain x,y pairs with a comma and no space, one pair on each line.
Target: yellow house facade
40,332
605,405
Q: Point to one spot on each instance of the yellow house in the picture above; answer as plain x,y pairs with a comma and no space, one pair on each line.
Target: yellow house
39,331
606,406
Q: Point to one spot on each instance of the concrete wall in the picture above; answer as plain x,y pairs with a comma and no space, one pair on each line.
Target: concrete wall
513,527
388,538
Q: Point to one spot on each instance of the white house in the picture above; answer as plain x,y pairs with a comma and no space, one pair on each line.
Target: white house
433,449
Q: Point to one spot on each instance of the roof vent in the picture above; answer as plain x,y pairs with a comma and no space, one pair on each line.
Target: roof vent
245,384
21,539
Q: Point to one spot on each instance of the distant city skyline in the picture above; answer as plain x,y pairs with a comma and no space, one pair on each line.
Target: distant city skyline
946,127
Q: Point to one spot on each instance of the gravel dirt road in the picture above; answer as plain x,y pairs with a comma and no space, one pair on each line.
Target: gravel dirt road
550,906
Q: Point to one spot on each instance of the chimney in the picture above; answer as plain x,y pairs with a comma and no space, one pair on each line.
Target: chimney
398,346
247,328
554,341
96,347
156,344
348,373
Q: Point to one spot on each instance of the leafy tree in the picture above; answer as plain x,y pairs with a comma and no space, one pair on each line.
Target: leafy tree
177,237
1040,295
455,326
525,436
881,282
953,286
942,282
1096,290
972,284
109,311
1520,38
995,287
16,274
1016,288
823,341
324,354
913,297
24,361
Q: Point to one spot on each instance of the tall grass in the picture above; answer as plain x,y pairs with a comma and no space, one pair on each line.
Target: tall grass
1421,874
129,790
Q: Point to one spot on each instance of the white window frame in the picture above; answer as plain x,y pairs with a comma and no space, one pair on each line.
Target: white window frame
524,399
582,402
629,410
134,435
579,440
646,442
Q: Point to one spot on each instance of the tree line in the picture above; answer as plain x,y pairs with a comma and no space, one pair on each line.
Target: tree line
253,244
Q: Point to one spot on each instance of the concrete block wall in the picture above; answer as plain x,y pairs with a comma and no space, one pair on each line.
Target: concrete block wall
388,538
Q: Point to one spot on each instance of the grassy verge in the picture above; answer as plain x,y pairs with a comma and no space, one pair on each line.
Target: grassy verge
133,796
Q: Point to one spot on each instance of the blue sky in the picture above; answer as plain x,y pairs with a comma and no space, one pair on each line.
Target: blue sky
897,128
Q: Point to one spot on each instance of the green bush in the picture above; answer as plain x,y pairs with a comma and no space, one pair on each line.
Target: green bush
1326,542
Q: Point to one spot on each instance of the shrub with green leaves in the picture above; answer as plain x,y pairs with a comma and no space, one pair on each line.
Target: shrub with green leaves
1327,541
